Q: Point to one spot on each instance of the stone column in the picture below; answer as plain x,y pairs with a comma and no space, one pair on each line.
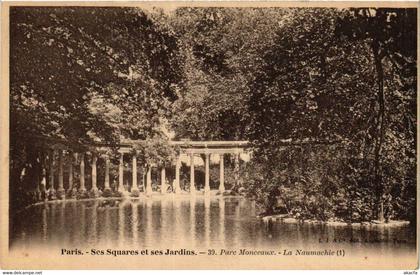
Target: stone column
94,159
37,172
82,187
192,176
106,184
237,168
222,173
44,179
44,171
163,180
149,180
207,178
134,187
60,173
70,171
121,174
177,188
51,159
42,175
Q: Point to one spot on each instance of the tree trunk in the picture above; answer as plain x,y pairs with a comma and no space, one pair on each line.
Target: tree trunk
379,188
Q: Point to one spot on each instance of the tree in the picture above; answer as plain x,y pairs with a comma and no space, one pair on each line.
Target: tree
318,84
391,36
86,74
221,51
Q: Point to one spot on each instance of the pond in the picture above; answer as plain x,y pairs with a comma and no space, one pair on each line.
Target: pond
195,223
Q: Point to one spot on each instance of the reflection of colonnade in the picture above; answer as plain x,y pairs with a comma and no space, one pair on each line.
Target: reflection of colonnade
133,223
187,149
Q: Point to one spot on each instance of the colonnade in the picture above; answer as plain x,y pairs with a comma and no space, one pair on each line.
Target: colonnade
80,158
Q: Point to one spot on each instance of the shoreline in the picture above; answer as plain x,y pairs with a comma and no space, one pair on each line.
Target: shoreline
285,218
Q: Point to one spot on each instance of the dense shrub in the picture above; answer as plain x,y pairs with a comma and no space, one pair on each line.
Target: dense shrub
325,183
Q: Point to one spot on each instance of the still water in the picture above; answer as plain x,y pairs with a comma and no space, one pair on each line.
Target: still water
191,223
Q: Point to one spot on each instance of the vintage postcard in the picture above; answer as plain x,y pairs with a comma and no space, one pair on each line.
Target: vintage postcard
209,135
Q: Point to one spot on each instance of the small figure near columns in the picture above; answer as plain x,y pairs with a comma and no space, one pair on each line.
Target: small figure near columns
222,174
192,180
207,176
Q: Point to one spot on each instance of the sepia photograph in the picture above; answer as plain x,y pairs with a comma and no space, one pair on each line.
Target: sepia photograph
209,136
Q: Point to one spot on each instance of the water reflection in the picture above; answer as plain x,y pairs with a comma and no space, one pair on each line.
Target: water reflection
135,221
192,230
222,222
189,223
92,221
207,222
44,223
121,222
